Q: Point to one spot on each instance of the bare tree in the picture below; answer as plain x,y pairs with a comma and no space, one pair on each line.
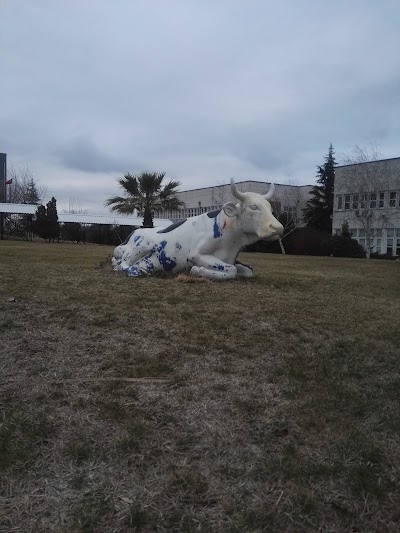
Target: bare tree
287,207
220,195
364,186
73,207
23,188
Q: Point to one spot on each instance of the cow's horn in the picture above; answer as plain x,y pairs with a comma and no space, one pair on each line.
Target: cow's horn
239,195
270,193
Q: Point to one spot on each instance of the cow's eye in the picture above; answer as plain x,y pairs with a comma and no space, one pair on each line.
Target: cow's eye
254,207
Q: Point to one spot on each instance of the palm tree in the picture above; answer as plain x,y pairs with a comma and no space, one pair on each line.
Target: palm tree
146,193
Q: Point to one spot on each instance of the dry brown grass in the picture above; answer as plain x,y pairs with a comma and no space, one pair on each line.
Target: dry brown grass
281,412
186,278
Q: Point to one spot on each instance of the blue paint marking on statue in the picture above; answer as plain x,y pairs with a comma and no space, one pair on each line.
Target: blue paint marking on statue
133,272
216,228
167,263
210,244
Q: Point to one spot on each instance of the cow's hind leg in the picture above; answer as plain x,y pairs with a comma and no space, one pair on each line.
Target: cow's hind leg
136,260
146,265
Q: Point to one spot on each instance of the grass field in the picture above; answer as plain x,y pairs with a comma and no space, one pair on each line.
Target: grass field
281,411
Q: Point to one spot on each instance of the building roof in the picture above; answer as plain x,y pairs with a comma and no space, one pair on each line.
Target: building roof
241,182
368,162
83,218
21,209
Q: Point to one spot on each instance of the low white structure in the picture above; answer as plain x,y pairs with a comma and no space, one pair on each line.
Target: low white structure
367,197
10,211
84,218
209,243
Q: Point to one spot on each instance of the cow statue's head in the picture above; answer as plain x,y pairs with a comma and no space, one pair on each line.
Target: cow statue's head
254,213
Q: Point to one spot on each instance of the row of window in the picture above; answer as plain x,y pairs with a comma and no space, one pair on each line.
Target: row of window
194,211
290,209
382,241
186,212
372,200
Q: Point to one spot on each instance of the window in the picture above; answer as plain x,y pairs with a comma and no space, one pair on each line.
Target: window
364,200
353,233
377,241
355,201
381,199
340,202
347,201
398,242
392,198
289,209
389,241
372,200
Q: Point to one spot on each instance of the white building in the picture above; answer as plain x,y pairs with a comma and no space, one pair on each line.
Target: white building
367,197
289,199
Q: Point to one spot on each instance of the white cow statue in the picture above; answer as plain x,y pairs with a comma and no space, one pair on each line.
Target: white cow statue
208,243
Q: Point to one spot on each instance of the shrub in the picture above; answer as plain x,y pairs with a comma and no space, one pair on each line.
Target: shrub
302,241
343,246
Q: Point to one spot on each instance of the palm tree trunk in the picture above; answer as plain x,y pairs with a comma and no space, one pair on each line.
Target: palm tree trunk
147,218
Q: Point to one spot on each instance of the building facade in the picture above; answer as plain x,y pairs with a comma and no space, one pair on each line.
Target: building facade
289,199
367,197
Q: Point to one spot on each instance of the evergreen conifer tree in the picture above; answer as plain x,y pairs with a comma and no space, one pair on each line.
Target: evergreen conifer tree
52,219
319,209
40,226
46,223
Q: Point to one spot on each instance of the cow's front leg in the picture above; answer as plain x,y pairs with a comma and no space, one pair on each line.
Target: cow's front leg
243,270
208,266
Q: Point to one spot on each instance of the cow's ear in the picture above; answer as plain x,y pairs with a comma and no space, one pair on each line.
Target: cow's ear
230,209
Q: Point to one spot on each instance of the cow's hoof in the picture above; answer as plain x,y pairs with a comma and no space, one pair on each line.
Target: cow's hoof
133,272
244,271
200,272
195,271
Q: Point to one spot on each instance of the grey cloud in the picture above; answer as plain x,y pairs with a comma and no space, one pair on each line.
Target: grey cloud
82,154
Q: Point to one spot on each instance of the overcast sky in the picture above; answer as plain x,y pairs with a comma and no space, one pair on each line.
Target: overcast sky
202,90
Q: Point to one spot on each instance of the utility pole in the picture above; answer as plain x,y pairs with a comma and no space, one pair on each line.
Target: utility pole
3,178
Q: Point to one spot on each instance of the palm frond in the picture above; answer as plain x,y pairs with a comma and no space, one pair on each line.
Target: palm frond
123,205
145,192
130,184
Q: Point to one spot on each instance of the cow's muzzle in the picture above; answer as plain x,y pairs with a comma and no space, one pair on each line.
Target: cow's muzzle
274,231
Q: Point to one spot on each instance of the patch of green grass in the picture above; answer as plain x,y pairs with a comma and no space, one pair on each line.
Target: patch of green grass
189,485
6,324
79,448
22,435
136,432
137,517
146,365
90,511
